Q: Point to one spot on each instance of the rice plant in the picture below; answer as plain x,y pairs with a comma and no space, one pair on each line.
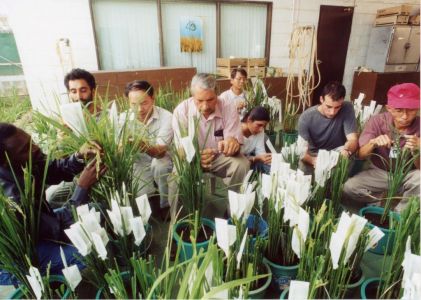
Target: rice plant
407,226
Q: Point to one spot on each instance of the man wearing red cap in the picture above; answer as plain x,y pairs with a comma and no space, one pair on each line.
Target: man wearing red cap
377,142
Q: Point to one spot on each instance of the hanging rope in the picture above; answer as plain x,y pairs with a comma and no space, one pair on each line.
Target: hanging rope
300,58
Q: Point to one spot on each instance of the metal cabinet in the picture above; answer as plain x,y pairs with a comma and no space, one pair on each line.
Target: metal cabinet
394,49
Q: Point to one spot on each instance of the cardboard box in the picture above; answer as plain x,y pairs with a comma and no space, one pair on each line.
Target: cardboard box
391,20
404,10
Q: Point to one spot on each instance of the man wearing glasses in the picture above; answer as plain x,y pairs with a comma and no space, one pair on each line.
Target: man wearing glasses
378,141
236,93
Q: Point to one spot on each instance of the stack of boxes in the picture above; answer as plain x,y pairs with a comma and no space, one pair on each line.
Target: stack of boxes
255,67
393,15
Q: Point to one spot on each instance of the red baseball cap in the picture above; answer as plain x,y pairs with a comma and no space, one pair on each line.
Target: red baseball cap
405,95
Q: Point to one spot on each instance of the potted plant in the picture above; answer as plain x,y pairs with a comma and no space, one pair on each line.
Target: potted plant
399,168
388,286
194,232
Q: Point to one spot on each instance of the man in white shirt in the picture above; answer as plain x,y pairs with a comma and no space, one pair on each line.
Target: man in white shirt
236,93
153,163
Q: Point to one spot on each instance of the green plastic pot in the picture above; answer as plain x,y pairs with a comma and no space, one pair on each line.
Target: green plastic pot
289,138
352,288
20,294
366,283
186,251
389,235
281,275
260,292
284,294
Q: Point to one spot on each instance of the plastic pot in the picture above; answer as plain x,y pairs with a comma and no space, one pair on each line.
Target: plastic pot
186,251
389,234
20,294
281,275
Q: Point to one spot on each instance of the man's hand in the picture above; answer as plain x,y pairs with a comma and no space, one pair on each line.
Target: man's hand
345,153
265,158
90,175
229,147
89,150
412,142
206,158
382,141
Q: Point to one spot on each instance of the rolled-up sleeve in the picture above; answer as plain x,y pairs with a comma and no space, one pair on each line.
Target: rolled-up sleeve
180,121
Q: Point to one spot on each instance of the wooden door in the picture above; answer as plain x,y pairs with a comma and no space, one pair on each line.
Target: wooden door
333,31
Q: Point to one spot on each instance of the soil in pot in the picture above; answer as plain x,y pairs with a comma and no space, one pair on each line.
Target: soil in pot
278,260
375,219
371,290
204,234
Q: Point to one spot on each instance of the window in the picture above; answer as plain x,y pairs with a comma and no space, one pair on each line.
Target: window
133,34
250,21
127,34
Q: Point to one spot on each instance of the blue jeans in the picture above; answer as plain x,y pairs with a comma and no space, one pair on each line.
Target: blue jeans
48,252
261,167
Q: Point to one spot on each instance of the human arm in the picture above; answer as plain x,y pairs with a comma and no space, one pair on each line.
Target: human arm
412,143
229,147
351,145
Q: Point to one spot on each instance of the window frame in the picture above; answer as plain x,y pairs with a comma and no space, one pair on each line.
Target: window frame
269,9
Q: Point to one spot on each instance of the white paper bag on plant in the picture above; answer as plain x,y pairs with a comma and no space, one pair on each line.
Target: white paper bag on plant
241,204
138,229
144,208
35,281
241,250
298,290
300,232
72,116
374,235
226,234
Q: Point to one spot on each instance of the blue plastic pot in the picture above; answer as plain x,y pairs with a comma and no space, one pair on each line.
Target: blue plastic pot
186,251
19,293
389,235
262,228
366,283
281,275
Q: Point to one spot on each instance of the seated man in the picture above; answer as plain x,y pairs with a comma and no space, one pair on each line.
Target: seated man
17,147
236,93
221,147
403,103
329,125
81,86
155,163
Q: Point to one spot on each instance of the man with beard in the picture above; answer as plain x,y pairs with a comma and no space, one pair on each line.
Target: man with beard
81,87
17,151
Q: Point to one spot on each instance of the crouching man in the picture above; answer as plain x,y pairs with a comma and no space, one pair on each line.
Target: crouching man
377,143
16,151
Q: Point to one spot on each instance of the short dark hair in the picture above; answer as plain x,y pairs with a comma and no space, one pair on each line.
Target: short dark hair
6,131
238,70
335,90
76,74
258,113
139,85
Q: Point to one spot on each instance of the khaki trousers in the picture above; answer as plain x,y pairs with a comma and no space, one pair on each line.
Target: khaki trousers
366,185
232,170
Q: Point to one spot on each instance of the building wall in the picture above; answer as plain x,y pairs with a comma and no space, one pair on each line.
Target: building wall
39,25
307,13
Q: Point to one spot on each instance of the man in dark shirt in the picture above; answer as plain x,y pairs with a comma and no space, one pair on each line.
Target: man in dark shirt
331,125
16,151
